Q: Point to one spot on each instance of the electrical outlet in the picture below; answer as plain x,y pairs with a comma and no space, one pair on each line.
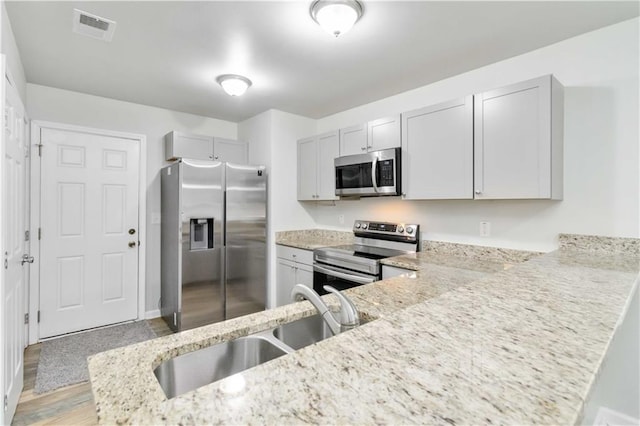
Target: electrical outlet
156,218
341,219
485,229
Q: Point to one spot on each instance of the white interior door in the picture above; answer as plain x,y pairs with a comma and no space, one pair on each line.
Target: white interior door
89,230
14,207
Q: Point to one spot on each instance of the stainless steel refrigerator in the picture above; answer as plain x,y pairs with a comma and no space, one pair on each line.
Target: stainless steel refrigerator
214,227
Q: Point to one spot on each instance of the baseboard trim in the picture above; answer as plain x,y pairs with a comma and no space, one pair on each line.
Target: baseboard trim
152,314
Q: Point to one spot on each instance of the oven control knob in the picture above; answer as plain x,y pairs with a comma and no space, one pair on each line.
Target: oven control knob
357,225
409,230
364,226
400,229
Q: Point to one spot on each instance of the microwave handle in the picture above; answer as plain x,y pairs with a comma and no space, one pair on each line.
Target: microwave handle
374,169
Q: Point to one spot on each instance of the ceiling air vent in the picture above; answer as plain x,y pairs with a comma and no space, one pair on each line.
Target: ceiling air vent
92,25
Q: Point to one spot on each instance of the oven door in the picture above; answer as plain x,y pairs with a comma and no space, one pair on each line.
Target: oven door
338,278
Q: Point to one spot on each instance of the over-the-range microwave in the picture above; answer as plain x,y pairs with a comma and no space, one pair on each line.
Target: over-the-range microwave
373,174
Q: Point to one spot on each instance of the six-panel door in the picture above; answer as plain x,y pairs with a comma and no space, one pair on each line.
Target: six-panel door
89,217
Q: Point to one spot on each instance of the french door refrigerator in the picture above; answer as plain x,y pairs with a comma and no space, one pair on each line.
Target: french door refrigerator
213,242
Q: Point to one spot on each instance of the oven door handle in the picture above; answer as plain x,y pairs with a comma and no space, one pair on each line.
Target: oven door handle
338,274
374,169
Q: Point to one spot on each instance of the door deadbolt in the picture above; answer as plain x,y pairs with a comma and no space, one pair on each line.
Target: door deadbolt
132,244
132,231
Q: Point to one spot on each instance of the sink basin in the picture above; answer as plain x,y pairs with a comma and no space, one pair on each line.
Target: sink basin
195,369
192,370
303,332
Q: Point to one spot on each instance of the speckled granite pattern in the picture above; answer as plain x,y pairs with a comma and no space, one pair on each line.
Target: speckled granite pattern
311,239
482,252
605,245
468,344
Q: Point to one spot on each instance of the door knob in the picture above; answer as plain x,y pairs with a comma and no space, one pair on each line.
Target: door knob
132,244
132,231
27,259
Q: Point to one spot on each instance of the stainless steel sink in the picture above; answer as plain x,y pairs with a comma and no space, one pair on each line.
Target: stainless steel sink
303,332
190,371
195,369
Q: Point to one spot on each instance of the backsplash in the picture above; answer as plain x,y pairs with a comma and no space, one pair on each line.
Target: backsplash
472,251
598,244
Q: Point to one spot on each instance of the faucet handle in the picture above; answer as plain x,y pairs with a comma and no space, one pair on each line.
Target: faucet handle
348,312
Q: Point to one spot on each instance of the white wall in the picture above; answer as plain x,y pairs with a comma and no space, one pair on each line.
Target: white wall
62,106
10,49
272,138
601,179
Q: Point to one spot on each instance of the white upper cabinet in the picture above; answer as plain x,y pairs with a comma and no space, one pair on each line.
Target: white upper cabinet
183,145
383,133
230,150
353,140
437,151
307,168
518,141
327,152
316,172
375,135
201,147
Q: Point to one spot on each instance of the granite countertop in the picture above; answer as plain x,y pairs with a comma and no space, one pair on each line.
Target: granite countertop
310,239
459,341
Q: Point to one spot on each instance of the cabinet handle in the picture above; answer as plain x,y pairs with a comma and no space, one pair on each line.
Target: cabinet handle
216,157
293,255
364,148
478,192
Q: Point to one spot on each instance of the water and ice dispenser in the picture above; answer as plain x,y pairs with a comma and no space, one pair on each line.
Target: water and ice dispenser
201,234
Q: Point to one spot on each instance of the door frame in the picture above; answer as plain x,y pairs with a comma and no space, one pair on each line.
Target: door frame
34,282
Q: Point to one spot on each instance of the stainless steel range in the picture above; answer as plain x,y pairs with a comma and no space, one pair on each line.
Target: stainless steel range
348,266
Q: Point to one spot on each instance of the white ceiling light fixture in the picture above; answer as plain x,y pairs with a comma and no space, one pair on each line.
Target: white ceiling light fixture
233,84
336,16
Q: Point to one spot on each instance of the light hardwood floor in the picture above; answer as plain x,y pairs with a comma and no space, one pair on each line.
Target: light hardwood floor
71,405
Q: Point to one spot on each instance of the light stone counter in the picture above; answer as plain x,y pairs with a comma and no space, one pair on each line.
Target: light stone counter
310,239
461,343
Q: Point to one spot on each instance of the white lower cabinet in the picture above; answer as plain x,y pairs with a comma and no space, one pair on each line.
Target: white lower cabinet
293,266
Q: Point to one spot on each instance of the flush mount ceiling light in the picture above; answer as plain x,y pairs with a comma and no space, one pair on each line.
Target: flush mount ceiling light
234,85
336,16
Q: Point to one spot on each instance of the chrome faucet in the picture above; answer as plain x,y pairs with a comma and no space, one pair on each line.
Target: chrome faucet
348,313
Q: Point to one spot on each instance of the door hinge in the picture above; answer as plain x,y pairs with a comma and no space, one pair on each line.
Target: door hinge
26,235
39,150
6,260
26,318
175,319
39,234
38,316
6,403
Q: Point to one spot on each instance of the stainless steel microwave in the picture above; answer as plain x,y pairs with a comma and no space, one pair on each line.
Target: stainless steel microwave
373,174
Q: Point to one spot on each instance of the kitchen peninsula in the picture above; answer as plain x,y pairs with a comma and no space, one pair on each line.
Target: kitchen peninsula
464,340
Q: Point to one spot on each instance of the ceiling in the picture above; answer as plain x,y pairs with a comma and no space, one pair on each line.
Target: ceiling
168,53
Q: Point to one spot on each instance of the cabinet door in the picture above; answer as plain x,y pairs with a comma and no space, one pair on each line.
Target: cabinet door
304,275
229,150
353,140
285,280
513,141
384,133
307,172
183,145
437,149
328,150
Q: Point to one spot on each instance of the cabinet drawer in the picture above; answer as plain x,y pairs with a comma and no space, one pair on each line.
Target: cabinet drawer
295,254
